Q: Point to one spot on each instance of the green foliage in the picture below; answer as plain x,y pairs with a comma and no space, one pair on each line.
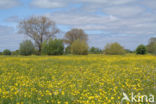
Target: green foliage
15,52
26,48
6,52
68,50
79,47
36,52
151,47
75,34
128,51
114,49
39,29
94,50
141,49
53,47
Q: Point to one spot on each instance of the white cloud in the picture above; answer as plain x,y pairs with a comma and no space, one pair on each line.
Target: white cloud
124,11
80,19
150,4
108,2
120,2
92,1
9,38
143,24
4,4
127,41
136,19
48,3
14,19
62,3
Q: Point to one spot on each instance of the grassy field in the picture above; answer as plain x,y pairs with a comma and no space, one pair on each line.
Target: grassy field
92,79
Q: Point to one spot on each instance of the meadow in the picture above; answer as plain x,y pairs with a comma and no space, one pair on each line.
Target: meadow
92,79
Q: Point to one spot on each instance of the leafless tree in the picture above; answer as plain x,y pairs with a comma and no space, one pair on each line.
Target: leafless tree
75,34
38,28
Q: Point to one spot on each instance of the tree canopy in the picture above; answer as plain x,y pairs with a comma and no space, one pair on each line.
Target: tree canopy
75,34
114,49
39,29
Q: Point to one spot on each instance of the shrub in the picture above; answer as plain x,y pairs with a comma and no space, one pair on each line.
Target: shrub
151,47
6,52
53,47
15,52
141,49
128,51
95,50
79,47
68,50
26,48
114,49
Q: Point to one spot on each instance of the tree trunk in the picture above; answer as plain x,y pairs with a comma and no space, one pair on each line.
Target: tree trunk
40,49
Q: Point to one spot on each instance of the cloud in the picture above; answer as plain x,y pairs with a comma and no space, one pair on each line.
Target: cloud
48,3
150,4
107,2
131,22
62,3
143,24
14,19
127,41
9,38
80,19
123,11
5,4
4,30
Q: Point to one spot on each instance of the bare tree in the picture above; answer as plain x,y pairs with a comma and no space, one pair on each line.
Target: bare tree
39,29
75,34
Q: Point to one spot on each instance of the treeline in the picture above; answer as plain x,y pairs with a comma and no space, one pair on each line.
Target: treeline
42,33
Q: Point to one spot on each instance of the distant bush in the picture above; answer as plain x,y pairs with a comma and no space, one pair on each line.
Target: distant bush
128,51
15,52
114,49
68,50
53,47
79,47
6,52
94,50
26,48
141,49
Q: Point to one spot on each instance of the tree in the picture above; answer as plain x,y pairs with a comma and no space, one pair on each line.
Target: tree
6,52
95,50
141,49
114,49
39,29
75,34
53,47
26,48
79,47
151,47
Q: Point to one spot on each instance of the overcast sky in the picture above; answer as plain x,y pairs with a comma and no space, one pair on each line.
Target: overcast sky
129,22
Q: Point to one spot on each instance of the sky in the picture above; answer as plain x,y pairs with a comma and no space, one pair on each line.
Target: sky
129,22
